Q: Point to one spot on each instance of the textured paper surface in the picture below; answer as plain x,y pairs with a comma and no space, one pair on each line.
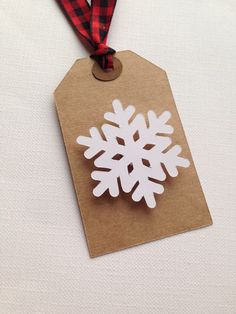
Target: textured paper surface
114,224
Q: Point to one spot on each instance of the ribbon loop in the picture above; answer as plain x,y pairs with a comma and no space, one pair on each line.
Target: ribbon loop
104,56
92,24
101,49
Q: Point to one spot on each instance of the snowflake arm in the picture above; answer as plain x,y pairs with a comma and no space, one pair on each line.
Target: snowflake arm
171,160
108,181
120,116
95,143
158,124
146,187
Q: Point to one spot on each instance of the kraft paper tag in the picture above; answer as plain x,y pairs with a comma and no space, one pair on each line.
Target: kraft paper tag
112,224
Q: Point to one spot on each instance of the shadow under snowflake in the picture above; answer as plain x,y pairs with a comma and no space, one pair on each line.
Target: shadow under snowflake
133,153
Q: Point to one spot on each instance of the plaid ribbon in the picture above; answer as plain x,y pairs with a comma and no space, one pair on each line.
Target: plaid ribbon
92,25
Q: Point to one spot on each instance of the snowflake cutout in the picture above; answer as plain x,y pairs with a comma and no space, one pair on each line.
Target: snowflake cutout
133,153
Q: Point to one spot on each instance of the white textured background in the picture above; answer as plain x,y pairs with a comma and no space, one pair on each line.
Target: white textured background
44,262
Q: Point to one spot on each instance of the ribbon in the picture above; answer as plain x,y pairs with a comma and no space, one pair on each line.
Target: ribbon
92,24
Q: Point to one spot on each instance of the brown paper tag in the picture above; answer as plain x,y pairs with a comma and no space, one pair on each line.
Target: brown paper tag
112,224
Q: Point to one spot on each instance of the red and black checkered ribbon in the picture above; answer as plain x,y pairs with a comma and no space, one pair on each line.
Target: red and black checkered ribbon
92,24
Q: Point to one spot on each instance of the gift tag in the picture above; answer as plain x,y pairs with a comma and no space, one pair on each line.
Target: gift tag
131,165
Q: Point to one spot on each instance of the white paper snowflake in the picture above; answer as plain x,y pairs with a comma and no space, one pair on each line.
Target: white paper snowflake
134,153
